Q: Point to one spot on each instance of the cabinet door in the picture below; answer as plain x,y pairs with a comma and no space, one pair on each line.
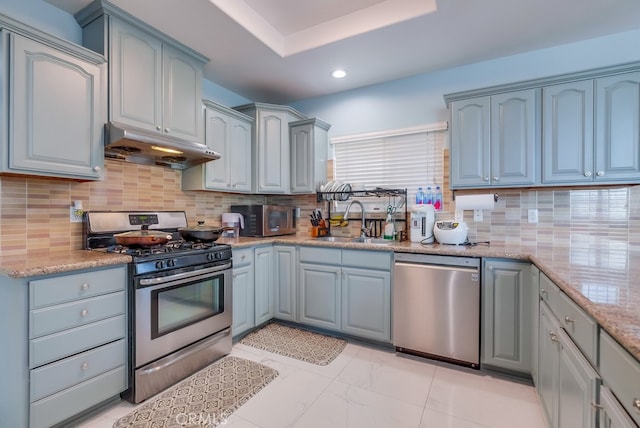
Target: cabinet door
272,152
366,303
548,365
263,284
514,138
612,414
567,143
240,156
135,77
182,96
46,139
243,295
506,327
285,283
471,142
302,170
217,138
320,295
578,387
535,324
618,127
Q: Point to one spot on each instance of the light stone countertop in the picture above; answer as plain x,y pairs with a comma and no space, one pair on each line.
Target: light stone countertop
603,277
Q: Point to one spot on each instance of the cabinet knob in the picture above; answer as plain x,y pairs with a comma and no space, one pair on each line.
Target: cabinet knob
84,287
496,178
543,291
166,130
96,168
600,173
158,128
553,337
85,366
567,320
84,313
485,178
490,267
242,257
587,173
636,403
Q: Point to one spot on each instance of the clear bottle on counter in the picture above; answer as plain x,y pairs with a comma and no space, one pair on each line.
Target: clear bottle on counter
419,196
437,199
389,227
428,197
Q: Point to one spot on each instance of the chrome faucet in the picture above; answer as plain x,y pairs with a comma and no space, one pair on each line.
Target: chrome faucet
364,231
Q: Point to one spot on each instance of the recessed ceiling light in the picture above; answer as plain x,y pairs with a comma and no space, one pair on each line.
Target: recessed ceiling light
339,74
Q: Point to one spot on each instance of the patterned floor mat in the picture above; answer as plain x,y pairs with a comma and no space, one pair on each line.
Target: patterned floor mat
206,398
292,342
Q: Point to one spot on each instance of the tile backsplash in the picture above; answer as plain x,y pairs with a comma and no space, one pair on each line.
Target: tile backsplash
34,211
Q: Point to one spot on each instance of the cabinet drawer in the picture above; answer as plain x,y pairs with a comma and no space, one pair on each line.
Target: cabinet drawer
69,402
621,373
51,291
63,374
69,342
380,260
242,257
74,314
328,256
549,293
580,327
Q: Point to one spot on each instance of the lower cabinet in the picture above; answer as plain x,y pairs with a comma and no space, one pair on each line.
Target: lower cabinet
284,283
612,414
506,315
567,384
535,320
243,291
349,292
263,259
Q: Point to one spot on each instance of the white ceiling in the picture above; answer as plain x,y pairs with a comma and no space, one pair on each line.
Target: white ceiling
281,51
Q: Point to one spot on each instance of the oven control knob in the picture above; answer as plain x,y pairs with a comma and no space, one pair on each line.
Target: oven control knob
211,256
159,264
171,263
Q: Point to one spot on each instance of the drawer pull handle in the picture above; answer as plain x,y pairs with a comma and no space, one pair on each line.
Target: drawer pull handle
568,320
636,403
84,312
85,366
84,287
543,291
553,337
596,406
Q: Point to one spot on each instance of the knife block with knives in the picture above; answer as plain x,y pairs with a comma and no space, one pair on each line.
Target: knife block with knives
318,224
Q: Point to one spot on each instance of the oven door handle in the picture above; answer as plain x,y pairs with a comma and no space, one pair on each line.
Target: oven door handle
178,276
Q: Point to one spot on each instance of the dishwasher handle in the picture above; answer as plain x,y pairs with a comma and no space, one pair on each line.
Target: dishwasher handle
438,267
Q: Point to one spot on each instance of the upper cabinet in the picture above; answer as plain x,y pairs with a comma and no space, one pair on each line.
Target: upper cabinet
589,126
495,140
42,73
155,83
229,133
271,146
309,146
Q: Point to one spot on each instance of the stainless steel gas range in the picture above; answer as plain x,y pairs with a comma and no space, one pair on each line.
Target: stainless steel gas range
179,298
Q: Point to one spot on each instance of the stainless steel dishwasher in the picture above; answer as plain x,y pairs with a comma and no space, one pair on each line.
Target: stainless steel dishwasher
436,307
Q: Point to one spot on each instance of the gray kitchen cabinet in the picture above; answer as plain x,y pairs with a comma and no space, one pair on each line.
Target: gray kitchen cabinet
69,345
495,140
41,74
285,282
506,315
309,150
621,375
567,143
271,157
228,132
263,301
535,321
155,83
617,137
346,290
243,291
612,414
548,365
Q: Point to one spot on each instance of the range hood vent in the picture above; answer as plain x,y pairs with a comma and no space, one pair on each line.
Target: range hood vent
131,144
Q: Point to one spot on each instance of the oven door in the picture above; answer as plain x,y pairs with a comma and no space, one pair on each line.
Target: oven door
174,311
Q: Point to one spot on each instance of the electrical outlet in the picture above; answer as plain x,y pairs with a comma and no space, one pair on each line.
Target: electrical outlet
75,215
477,215
532,215
298,212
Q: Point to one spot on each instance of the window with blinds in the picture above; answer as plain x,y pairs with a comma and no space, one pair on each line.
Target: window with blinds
395,159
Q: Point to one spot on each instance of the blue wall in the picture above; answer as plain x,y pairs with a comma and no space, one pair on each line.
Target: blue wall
398,104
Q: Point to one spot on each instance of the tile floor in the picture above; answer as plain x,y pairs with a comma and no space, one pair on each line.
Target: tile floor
370,387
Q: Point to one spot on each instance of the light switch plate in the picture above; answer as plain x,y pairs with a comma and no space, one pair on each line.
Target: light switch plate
532,216
477,215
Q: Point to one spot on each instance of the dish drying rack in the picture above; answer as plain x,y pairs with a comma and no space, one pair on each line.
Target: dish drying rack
376,223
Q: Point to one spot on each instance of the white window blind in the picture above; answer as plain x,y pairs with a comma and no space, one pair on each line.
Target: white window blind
398,160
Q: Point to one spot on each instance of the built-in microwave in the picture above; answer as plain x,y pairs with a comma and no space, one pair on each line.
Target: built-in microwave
266,220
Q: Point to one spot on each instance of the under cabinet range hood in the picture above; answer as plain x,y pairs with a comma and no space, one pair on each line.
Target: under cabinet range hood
137,145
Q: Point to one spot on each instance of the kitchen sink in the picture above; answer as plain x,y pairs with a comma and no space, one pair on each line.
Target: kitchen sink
377,241
334,239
